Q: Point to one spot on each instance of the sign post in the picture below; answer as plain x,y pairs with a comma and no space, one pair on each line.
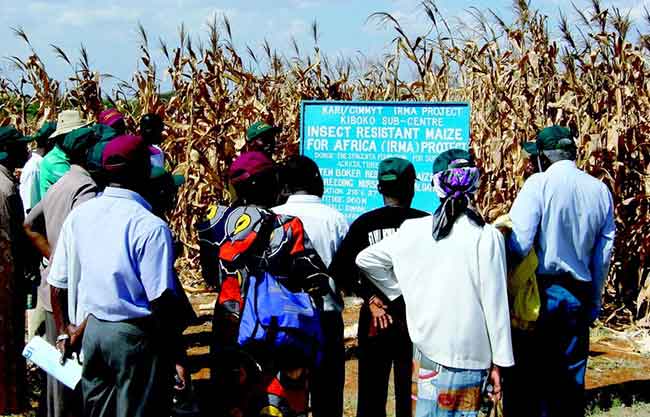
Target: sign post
348,139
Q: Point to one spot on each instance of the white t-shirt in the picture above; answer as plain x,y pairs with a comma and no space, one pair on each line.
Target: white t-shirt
29,187
325,226
454,289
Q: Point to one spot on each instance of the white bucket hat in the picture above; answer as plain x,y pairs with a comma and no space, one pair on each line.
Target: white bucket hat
67,121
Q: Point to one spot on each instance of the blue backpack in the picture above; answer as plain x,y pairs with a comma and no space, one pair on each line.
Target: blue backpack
283,321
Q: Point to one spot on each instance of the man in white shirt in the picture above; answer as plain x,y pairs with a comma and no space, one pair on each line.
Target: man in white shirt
29,177
326,228
567,216
30,194
151,129
451,270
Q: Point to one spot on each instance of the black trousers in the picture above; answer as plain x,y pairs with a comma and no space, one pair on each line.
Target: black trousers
391,348
328,379
127,371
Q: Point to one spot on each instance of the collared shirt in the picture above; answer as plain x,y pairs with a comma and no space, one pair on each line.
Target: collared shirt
53,166
568,216
125,256
72,189
454,290
30,191
326,228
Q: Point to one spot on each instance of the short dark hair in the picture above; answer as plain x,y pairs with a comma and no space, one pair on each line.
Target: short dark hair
261,188
44,142
402,189
300,173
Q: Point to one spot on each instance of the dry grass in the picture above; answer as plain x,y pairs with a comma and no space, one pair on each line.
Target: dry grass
517,77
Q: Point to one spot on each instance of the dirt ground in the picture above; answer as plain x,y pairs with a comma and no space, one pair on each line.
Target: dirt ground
618,377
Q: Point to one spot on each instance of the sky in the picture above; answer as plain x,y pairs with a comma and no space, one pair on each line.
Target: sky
109,29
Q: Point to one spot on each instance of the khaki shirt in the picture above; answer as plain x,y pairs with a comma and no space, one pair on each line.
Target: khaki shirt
74,188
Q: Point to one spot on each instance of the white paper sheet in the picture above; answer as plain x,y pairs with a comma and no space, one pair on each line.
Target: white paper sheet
47,357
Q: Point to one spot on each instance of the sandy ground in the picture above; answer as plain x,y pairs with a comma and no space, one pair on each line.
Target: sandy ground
618,378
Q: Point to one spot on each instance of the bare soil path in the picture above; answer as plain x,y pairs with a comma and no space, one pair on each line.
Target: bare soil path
618,374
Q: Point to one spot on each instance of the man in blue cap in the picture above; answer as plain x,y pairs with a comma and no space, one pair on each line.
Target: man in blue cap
567,216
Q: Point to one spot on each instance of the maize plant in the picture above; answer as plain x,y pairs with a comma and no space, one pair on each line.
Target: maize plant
518,76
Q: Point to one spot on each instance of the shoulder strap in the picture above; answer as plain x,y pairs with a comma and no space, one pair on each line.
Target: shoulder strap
262,242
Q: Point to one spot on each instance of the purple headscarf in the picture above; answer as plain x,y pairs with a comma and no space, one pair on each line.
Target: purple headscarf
455,187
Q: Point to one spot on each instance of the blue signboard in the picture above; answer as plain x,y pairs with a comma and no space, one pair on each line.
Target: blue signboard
348,139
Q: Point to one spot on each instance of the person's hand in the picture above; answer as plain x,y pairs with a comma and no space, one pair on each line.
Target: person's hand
505,231
63,346
76,336
379,315
181,378
495,380
69,342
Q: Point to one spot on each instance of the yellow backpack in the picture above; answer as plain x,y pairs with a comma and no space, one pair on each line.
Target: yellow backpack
523,292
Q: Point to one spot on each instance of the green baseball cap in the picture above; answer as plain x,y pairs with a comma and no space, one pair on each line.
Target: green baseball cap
257,129
105,134
393,169
10,135
78,140
551,138
453,158
158,173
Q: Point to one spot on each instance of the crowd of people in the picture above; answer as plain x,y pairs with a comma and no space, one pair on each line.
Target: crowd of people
86,249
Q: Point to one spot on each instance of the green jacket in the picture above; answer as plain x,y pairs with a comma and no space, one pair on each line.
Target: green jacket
54,165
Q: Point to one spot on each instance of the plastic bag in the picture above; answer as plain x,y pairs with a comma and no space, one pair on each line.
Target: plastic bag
523,291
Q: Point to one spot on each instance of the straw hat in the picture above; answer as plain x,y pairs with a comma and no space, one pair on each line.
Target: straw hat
68,121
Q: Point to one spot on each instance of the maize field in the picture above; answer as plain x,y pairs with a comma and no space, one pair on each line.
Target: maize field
518,76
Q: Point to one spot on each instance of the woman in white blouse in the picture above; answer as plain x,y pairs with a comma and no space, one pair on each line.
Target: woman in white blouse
451,270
